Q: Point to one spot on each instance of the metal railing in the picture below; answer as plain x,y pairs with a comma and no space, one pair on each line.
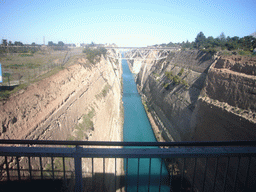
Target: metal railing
191,166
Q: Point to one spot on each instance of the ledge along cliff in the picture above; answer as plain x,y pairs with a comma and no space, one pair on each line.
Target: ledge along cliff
81,102
192,95
196,96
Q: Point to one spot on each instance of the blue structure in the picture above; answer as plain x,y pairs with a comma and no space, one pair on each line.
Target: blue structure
1,77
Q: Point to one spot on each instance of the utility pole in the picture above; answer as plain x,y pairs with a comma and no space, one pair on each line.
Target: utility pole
44,40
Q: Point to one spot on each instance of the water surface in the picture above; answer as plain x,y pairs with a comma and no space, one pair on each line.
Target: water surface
140,172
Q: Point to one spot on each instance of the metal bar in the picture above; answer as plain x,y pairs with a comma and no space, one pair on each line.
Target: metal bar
103,174
171,176
18,167
114,143
126,175
247,172
7,168
226,174
131,152
205,170
238,165
29,167
215,175
194,174
78,171
138,174
149,174
64,169
115,174
92,176
52,167
160,177
41,167
183,172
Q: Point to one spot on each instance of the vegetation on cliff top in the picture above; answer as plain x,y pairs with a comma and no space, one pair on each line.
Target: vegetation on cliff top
93,54
242,46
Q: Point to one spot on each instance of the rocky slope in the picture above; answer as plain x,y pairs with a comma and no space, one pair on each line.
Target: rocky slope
171,88
81,102
51,108
195,96
192,96
226,108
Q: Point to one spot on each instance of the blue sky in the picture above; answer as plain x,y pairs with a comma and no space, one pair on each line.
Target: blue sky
124,22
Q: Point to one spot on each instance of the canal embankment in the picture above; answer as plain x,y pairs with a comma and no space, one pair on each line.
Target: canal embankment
81,102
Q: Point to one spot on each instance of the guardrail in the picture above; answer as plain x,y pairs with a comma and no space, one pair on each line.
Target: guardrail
205,166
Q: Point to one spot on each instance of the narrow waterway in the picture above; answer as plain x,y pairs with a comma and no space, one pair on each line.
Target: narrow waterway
142,174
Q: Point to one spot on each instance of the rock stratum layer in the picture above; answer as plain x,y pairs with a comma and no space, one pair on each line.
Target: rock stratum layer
51,108
227,106
81,102
193,95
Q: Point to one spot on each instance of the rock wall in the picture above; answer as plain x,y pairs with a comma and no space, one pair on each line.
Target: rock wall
81,102
192,96
192,92
51,108
226,108
172,97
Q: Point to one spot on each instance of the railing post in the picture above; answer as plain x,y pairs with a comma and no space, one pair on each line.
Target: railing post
78,170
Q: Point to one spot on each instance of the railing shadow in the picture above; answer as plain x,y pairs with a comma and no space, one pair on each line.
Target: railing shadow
98,182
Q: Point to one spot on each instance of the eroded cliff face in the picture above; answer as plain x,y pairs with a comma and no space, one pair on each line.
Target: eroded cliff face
195,96
171,88
81,102
51,108
227,105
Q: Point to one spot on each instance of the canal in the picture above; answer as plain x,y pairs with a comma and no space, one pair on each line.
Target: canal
142,174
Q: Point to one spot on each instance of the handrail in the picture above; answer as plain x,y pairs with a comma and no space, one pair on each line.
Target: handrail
185,150
118,143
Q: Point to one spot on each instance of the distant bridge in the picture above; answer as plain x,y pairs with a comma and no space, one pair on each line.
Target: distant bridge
140,53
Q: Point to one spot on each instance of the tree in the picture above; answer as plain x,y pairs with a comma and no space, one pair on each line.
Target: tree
18,43
200,40
50,43
222,37
10,43
209,43
4,42
247,43
60,43
222,40
33,44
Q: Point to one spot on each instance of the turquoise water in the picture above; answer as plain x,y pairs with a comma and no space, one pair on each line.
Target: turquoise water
137,128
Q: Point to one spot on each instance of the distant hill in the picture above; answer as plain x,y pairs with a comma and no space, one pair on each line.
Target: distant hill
253,34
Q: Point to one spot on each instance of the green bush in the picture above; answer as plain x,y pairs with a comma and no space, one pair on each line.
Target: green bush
31,65
176,80
181,71
166,85
211,50
104,92
93,54
26,55
241,52
185,83
169,74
